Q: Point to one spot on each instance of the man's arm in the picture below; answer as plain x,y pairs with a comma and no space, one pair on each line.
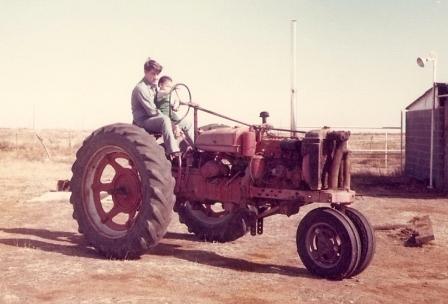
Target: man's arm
145,98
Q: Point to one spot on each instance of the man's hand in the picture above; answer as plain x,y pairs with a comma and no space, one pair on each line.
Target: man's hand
190,104
177,131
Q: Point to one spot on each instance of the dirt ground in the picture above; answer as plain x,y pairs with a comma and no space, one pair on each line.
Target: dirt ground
44,260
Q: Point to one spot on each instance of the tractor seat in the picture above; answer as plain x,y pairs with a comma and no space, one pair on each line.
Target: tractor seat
156,135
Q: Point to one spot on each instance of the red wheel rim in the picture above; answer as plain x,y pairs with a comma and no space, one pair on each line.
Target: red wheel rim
112,191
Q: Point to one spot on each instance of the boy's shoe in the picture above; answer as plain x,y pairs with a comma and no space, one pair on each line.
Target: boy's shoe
176,158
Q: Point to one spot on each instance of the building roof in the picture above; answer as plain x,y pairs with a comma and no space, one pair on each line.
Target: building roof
442,89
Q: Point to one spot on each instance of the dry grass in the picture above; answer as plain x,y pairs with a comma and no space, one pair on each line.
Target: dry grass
30,145
44,259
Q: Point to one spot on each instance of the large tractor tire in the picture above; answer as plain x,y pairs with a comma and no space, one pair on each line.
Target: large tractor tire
328,244
122,191
210,224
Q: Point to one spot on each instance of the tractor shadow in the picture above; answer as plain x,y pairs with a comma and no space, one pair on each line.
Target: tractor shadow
182,236
74,245
216,260
65,243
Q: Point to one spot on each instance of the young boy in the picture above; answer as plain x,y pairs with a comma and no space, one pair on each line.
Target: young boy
162,102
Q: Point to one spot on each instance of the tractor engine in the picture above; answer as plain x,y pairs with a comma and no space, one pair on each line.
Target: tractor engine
252,155
277,164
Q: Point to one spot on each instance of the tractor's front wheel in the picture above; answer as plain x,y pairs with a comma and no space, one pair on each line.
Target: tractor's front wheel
366,235
122,191
328,244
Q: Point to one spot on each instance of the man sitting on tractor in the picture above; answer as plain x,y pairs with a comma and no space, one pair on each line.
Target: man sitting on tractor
144,111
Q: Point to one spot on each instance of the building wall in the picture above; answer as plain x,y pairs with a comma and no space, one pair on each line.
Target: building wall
418,143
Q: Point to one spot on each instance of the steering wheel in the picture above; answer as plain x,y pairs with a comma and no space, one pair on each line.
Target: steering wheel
179,99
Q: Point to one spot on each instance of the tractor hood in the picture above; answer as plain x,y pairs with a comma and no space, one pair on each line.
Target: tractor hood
228,139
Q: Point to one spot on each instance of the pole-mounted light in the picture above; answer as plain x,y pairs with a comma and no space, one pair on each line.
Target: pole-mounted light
421,62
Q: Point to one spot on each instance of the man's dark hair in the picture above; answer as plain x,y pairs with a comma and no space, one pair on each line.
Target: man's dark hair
151,64
163,79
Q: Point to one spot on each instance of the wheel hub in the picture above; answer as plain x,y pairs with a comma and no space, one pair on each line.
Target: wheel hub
126,190
324,246
124,187
326,250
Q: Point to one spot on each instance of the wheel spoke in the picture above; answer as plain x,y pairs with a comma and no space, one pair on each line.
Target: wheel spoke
133,167
135,171
131,218
111,214
207,210
106,187
113,162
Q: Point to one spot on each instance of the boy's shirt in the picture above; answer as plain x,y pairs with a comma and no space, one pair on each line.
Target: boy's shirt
162,102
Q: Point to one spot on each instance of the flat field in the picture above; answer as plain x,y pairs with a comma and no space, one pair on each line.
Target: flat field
43,259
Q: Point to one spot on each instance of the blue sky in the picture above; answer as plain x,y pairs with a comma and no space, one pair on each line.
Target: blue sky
76,62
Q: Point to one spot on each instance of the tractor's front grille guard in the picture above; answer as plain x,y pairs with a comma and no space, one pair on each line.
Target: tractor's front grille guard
326,159
336,173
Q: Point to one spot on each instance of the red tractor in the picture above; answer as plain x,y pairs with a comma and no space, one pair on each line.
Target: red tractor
124,190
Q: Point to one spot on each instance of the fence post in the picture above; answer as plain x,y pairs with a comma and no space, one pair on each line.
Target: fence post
43,145
69,139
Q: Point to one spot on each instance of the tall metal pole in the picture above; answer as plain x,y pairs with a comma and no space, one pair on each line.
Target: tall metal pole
431,156
401,143
293,78
386,161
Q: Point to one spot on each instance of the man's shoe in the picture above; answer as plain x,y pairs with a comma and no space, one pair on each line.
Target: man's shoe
174,155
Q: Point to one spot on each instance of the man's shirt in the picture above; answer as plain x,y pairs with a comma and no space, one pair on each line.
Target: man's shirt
142,102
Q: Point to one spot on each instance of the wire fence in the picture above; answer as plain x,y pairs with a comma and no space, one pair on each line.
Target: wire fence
379,148
372,148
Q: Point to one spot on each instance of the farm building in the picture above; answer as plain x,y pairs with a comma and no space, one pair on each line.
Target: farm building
418,137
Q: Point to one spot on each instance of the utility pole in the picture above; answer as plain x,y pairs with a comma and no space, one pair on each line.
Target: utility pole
293,125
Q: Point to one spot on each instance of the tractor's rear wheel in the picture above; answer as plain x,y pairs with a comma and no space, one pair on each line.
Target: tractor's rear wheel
122,191
328,244
211,222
